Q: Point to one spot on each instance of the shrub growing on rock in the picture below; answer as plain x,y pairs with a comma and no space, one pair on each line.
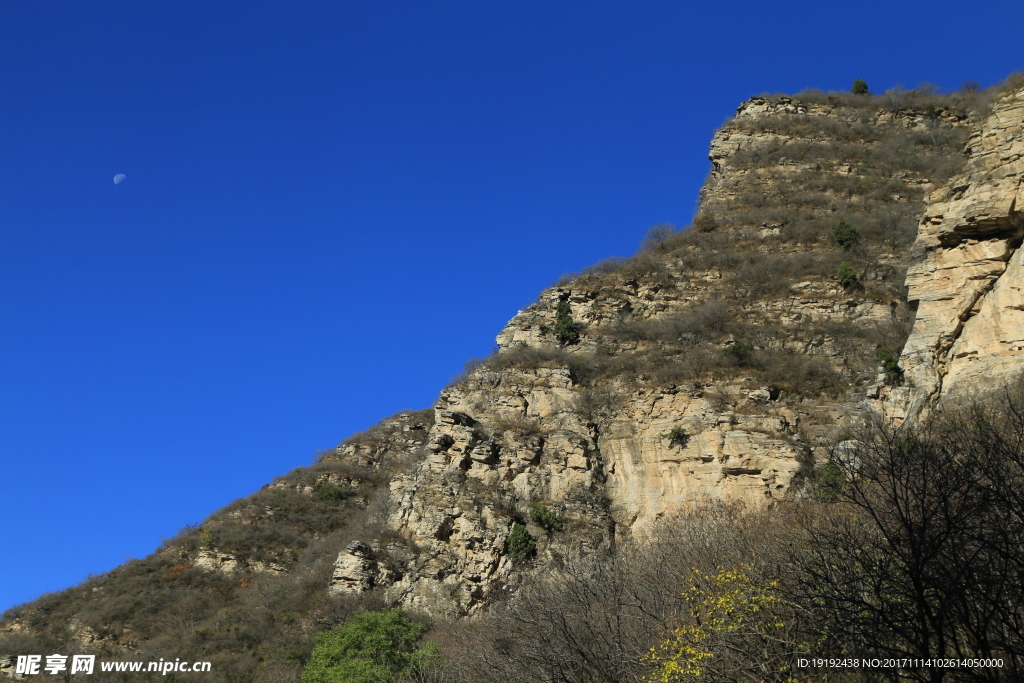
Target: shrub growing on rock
657,237
860,87
705,222
739,353
847,276
542,516
844,234
890,364
677,436
566,330
328,493
520,544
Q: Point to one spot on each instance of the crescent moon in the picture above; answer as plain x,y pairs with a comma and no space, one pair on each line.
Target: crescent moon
118,178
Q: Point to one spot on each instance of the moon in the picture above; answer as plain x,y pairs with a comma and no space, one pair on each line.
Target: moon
118,178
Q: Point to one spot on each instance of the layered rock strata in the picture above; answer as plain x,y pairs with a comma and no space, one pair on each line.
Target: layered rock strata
612,457
968,284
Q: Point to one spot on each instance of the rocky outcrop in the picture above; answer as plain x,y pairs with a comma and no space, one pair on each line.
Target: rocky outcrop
488,458
355,570
213,561
746,452
968,334
612,456
8,666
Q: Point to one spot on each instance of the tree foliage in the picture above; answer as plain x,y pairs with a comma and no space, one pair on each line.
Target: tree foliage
844,235
846,275
566,330
729,602
831,483
545,518
860,87
373,647
520,544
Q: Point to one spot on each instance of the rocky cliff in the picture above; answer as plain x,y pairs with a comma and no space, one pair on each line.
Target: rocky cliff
714,365
718,363
966,281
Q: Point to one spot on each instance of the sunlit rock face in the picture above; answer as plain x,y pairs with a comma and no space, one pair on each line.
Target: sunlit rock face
968,284
613,455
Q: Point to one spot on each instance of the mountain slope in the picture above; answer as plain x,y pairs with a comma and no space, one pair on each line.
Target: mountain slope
716,364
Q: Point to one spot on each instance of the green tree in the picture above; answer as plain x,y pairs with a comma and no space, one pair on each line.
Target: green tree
543,517
677,436
520,544
844,234
847,276
373,647
890,364
860,87
207,538
739,353
566,330
831,483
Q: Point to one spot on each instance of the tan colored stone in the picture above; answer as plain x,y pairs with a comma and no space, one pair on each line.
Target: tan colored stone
354,570
211,560
969,326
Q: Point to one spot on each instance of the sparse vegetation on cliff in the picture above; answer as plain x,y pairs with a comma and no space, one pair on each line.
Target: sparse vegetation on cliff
909,549
545,518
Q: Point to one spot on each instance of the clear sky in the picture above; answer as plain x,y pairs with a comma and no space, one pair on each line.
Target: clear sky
329,206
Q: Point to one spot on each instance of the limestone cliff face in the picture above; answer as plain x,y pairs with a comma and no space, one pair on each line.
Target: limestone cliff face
968,284
537,423
729,142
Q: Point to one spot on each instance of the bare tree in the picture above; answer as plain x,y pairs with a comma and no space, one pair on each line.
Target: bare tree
921,558
593,619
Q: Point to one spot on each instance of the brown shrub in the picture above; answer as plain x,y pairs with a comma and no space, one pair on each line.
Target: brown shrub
691,326
518,424
593,617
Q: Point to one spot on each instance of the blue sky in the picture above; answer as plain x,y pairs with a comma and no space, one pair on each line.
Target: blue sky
329,206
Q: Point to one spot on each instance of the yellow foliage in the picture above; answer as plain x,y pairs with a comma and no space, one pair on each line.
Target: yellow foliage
728,601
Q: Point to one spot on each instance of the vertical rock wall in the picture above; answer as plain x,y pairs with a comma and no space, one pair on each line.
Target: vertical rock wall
968,282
